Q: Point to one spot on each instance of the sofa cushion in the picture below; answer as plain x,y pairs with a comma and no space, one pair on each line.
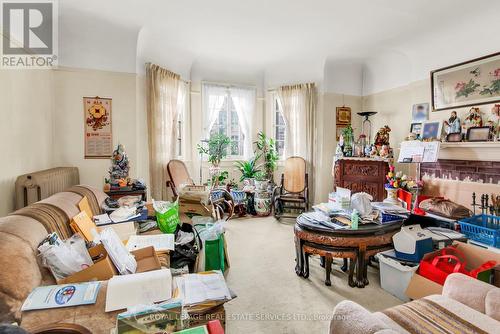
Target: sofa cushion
25,228
66,201
467,290
492,304
349,317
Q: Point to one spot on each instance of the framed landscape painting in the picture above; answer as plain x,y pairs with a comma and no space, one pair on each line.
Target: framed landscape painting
466,84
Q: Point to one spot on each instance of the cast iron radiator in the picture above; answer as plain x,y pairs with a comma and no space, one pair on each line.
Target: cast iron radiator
33,187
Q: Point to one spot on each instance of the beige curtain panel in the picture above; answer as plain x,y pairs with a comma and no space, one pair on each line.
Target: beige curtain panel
162,88
298,104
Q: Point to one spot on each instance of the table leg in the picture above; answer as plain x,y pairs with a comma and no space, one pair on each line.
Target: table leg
299,264
361,266
352,265
305,272
328,267
344,266
322,261
365,275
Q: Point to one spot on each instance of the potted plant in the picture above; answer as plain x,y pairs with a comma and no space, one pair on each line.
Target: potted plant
216,151
248,170
266,148
261,182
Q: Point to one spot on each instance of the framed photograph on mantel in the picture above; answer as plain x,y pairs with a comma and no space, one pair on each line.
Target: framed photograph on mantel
98,136
466,84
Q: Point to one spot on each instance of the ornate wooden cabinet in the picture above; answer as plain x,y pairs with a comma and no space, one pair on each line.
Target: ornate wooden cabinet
361,175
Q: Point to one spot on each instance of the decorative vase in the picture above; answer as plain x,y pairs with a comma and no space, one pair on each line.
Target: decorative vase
261,185
392,196
262,206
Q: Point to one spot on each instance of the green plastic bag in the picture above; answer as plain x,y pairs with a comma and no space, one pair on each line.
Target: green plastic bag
214,254
168,221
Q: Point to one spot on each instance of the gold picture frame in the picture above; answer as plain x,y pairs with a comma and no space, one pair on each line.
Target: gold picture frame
343,115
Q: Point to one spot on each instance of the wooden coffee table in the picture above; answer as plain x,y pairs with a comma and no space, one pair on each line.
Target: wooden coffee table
356,245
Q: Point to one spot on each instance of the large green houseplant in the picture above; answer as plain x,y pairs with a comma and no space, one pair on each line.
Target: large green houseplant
266,149
216,151
248,169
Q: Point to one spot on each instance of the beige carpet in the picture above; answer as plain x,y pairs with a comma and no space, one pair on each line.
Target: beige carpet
271,298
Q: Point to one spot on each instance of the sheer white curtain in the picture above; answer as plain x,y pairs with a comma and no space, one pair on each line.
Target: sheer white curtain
213,100
298,104
244,103
162,95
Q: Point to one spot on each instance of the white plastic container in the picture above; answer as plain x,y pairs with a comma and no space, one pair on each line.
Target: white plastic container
394,276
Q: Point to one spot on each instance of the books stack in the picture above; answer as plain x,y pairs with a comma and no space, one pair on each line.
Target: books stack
389,213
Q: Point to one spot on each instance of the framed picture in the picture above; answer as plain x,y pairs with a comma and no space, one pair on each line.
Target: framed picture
481,133
98,136
343,115
431,130
454,137
420,112
340,127
416,128
470,83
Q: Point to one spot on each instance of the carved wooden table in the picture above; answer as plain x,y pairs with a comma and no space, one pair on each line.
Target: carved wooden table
361,175
356,245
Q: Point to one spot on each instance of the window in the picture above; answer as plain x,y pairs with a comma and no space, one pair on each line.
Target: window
279,127
182,109
228,110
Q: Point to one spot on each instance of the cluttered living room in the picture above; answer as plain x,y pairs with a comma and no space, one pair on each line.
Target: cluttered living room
211,167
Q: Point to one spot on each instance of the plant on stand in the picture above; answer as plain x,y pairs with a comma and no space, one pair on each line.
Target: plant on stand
266,149
248,170
216,151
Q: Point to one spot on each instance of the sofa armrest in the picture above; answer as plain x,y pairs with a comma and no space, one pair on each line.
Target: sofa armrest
467,290
349,317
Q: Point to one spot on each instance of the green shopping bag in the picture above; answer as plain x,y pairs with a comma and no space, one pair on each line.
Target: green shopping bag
168,221
214,254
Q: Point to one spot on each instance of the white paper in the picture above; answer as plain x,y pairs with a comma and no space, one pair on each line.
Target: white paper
423,151
122,259
160,242
199,288
343,192
138,289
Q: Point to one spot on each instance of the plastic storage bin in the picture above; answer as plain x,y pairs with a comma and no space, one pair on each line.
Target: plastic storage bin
394,276
484,229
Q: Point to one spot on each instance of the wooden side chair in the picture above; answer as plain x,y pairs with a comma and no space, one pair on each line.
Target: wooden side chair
215,204
293,192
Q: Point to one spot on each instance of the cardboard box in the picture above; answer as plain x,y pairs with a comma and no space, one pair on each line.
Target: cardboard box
103,269
474,256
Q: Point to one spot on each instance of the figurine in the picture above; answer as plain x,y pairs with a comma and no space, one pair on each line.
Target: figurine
473,119
368,150
384,151
494,120
118,172
382,136
373,152
338,151
411,136
453,124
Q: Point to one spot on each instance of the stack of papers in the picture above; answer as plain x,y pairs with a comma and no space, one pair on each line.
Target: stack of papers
319,218
54,296
203,287
389,208
160,242
138,289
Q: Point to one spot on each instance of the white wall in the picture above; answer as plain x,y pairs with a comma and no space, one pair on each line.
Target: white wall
26,145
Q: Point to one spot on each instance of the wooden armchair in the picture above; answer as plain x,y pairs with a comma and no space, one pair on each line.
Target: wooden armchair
216,203
293,192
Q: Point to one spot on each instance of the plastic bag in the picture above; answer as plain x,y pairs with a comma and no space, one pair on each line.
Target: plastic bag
64,258
167,215
362,202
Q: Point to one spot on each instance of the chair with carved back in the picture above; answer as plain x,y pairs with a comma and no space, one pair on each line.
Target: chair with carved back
293,192
217,201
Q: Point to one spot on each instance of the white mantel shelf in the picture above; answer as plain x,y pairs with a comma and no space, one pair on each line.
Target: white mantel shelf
479,151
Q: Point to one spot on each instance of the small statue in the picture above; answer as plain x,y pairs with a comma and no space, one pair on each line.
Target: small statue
373,152
494,120
473,119
118,172
382,136
384,151
411,136
453,123
338,151
368,150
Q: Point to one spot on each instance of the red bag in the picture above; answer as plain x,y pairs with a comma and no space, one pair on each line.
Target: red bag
439,267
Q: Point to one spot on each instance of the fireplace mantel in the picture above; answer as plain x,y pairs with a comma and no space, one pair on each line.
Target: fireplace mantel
477,151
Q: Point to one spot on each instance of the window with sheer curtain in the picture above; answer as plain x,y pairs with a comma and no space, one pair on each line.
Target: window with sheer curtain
279,126
229,110
182,110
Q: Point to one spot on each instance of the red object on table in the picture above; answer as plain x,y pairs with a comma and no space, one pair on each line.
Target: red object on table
215,327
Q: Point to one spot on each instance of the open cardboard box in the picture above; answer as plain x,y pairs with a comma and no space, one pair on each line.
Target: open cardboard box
475,256
103,269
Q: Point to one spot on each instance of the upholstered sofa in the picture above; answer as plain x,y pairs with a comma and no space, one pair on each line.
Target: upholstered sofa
466,304
21,271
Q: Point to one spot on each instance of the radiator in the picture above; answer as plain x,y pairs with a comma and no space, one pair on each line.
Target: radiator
33,187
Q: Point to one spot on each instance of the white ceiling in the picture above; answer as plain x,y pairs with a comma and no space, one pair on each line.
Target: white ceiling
258,35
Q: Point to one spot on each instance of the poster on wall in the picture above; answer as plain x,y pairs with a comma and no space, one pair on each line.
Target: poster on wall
467,84
98,135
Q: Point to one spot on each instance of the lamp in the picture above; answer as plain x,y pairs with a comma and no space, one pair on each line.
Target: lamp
367,124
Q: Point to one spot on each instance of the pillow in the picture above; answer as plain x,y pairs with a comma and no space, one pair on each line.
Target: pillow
445,208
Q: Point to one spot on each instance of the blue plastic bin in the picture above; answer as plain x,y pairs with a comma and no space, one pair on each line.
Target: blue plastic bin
482,228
